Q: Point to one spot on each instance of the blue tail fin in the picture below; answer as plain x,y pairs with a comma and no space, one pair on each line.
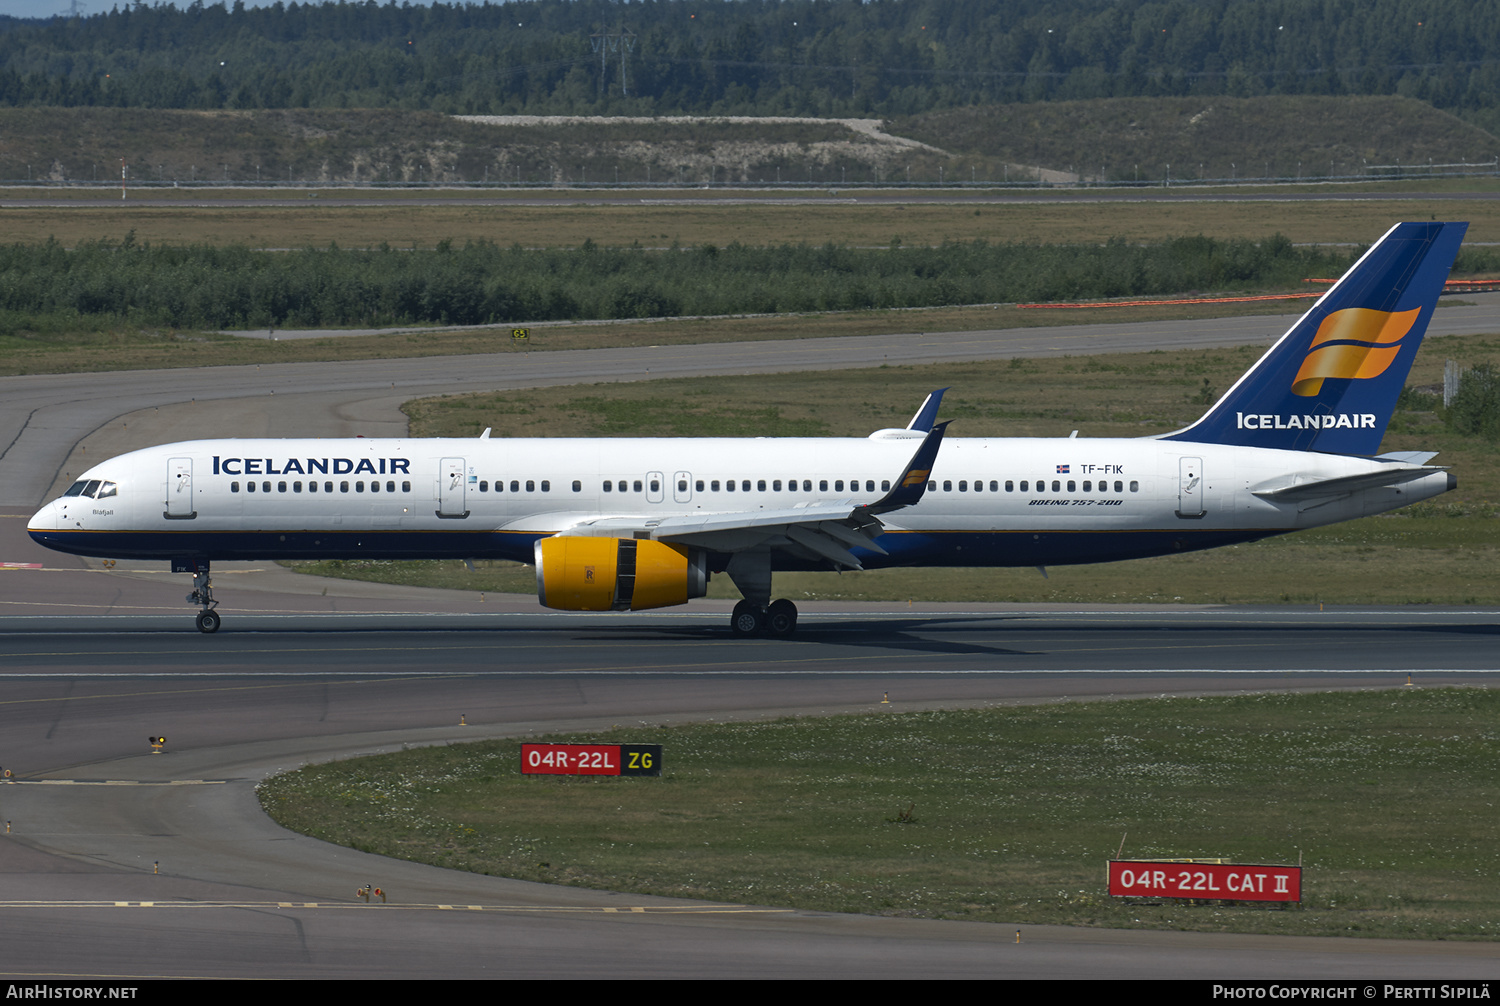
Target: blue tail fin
1331,383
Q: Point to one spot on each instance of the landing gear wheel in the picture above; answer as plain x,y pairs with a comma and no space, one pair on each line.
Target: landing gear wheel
208,621
781,618
748,619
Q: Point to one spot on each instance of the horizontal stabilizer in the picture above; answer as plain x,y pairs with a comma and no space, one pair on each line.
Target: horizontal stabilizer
1298,491
1408,457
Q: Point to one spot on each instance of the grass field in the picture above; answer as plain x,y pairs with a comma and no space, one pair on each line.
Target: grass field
1386,798
653,225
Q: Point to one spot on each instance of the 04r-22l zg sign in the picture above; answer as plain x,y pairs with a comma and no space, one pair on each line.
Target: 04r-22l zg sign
591,759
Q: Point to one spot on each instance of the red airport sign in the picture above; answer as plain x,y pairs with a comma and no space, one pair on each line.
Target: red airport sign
1216,881
591,759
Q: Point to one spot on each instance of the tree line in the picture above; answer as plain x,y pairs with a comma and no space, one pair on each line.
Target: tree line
803,57
108,283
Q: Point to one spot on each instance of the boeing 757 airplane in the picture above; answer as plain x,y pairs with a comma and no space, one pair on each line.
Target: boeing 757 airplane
635,524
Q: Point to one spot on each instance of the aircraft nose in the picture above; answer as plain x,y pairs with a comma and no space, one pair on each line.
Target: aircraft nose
48,518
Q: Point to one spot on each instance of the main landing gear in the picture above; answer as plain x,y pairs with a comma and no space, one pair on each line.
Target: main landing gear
757,614
203,594
779,618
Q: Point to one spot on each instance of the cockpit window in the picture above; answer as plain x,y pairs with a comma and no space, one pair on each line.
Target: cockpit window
108,489
76,489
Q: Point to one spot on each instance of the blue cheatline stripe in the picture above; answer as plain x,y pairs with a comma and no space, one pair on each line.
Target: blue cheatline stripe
1030,547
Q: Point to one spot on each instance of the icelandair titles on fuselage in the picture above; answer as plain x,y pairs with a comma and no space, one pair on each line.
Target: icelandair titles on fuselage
1342,421
311,466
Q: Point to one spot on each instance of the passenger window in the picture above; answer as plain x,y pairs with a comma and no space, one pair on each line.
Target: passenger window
577,486
1119,487
1056,486
328,487
1010,486
729,486
682,485
531,485
776,485
760,485
822,485
406,487
281,487
807,485
359,486
963,485
700,485
870,485
714,485
1072,486
637,485
312,487
1086,484
994,486
343,487
265,486
931,486
484,486
234,487
374,487
515,485
838,485
947,486
390,487
249,487
607,485
546,486
1135,486
1023,485
296,487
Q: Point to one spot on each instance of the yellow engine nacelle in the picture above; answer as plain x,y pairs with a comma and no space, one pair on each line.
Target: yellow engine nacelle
617,574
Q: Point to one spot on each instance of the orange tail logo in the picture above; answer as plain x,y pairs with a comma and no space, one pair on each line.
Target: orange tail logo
1367,343
915,478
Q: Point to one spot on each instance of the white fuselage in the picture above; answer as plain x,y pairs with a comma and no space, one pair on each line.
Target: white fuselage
990,502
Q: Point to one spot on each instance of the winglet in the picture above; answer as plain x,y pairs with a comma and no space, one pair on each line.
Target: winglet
927,415
909,488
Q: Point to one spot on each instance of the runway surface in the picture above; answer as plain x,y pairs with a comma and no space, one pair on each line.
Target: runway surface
125,864
94,662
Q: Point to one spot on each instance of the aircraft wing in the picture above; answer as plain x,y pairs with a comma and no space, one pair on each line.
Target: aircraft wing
827,530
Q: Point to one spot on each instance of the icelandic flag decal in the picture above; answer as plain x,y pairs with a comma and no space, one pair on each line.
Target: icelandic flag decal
1062,469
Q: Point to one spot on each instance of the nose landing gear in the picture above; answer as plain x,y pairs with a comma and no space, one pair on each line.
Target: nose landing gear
203,593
